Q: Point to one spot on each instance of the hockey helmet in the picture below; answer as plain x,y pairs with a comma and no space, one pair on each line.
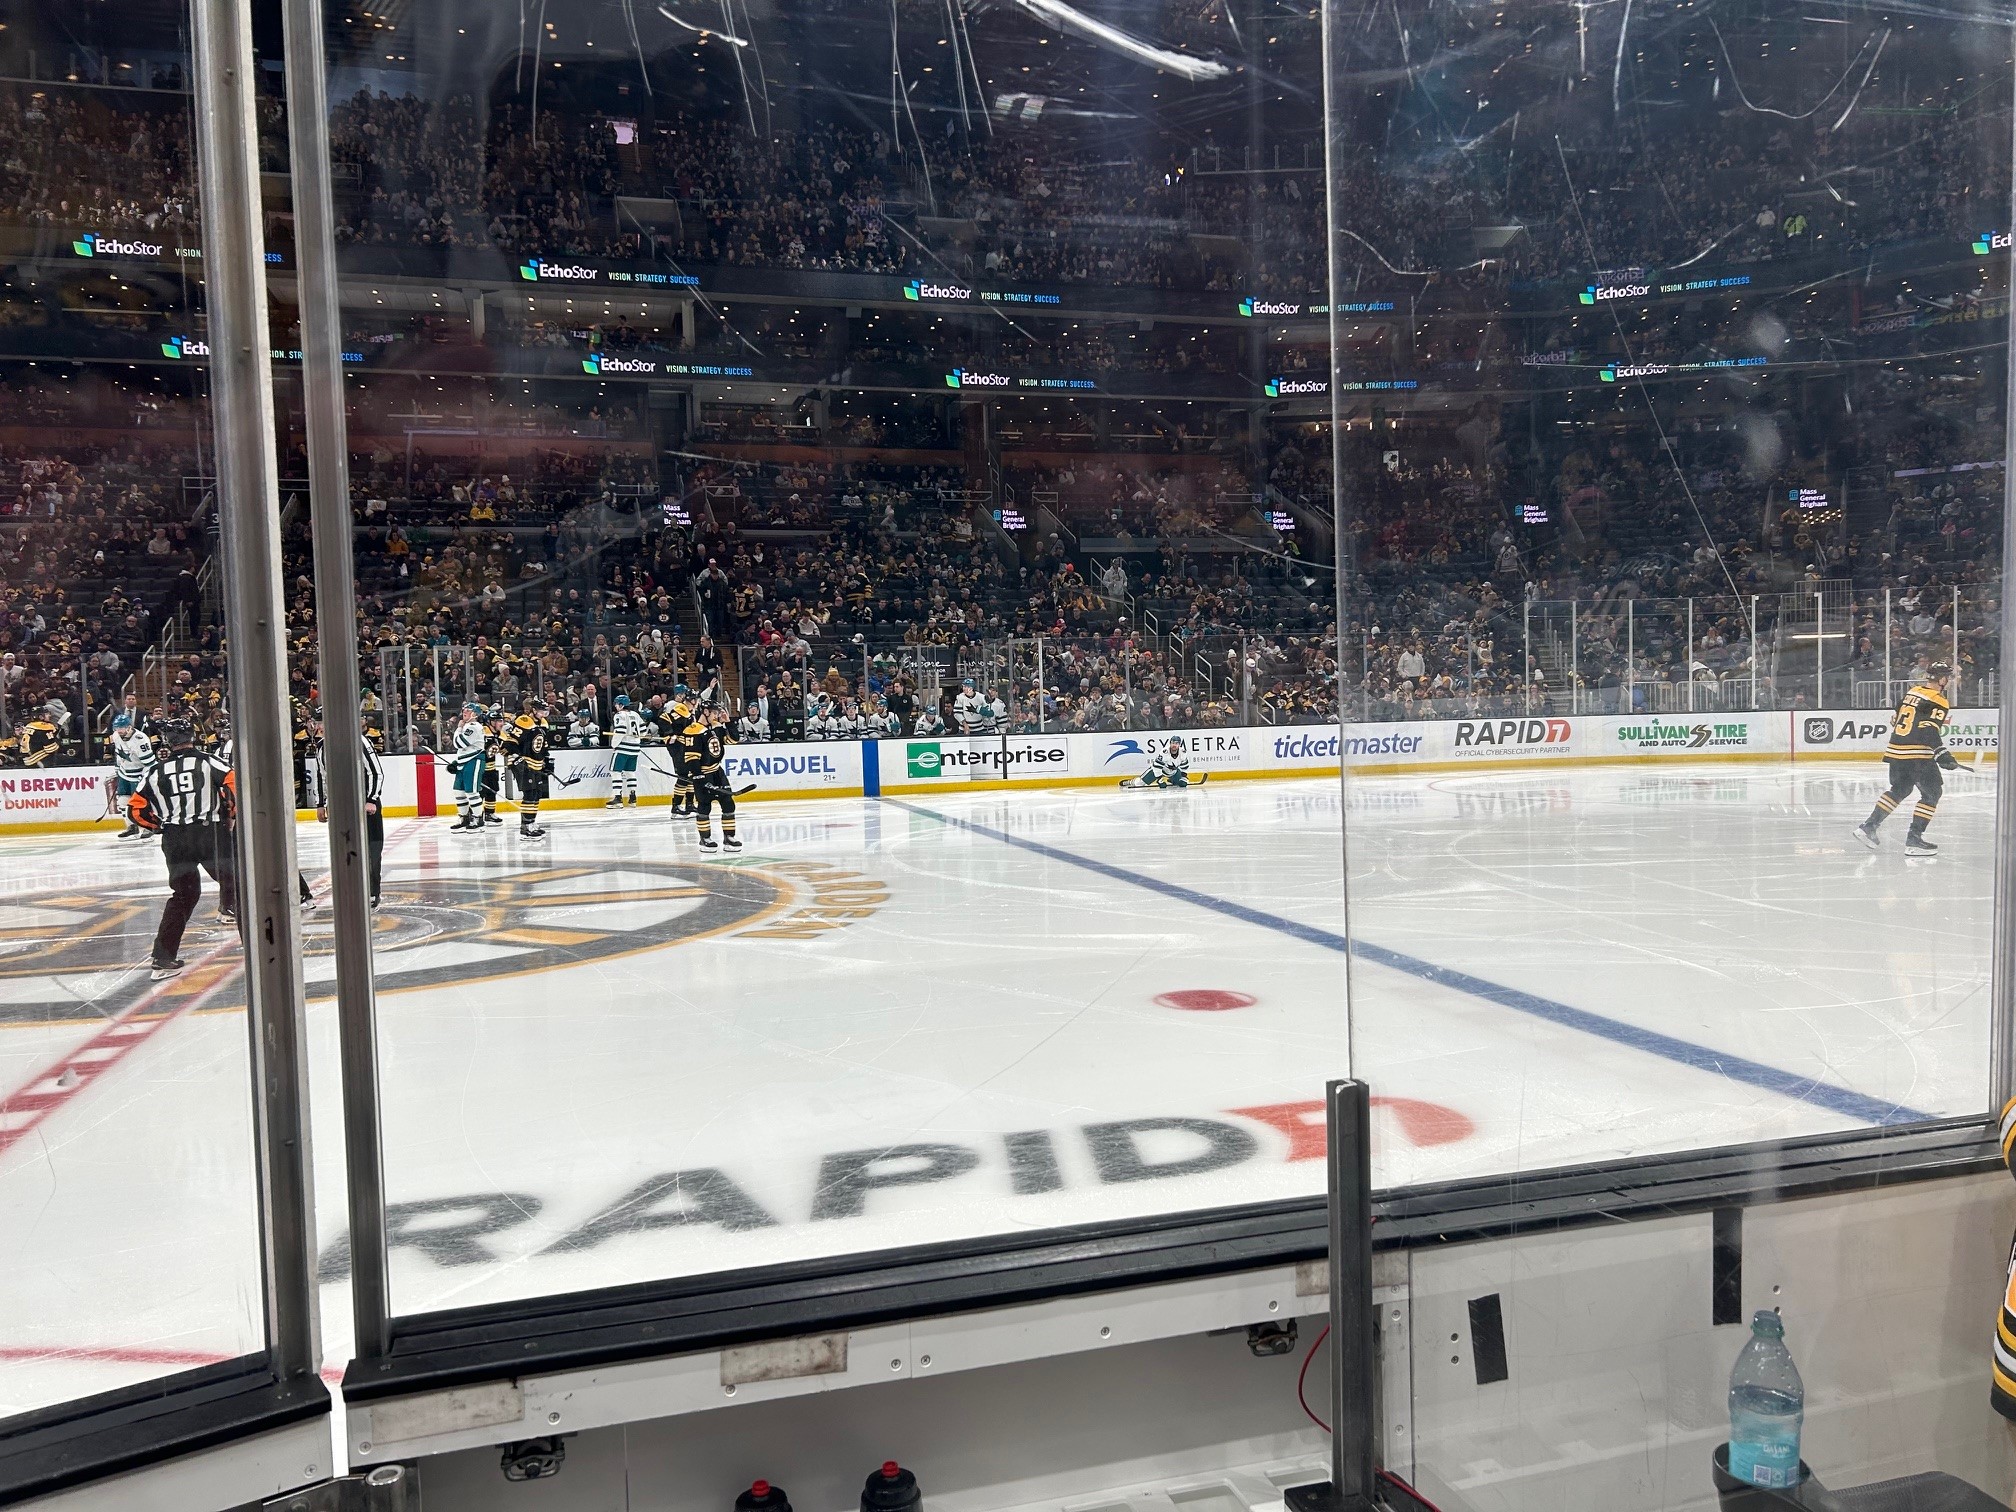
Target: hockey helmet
622,700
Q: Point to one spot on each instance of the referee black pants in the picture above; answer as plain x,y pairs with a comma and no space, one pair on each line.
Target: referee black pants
190,850
374,848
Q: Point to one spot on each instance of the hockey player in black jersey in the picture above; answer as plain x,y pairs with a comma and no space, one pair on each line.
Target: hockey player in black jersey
706,754
678,721
493,763
1917,758
529,748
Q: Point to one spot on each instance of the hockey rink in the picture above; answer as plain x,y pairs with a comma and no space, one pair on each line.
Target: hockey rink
888,1022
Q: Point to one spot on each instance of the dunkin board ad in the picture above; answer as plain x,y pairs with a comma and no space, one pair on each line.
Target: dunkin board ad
52,795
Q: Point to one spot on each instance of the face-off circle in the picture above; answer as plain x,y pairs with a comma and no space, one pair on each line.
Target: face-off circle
466,921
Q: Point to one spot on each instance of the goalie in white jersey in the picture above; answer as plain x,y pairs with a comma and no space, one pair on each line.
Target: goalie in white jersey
1168,767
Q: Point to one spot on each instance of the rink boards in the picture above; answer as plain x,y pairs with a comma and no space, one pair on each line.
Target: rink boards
72,798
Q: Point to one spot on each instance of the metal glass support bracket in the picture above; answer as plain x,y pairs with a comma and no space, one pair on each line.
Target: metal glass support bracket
1354,1366
336,636
234,288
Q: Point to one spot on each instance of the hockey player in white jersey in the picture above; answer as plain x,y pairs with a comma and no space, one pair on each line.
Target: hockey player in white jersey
626,744
969,709
466,761
132,758
1168,767
929,721
823,719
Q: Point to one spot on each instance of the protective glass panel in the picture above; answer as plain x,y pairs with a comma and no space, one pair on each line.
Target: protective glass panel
129,1209
1669,389
940,447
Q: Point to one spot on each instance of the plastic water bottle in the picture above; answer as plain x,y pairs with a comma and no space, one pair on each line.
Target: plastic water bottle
1767,1406
892,1489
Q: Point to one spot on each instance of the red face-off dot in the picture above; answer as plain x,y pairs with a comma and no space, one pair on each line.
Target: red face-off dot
1206,1000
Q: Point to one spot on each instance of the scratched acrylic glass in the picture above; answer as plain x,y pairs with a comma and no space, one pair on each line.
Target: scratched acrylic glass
1668,463
986,432
1668,403
129,1207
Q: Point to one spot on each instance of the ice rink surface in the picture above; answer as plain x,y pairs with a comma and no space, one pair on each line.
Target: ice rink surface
607,1059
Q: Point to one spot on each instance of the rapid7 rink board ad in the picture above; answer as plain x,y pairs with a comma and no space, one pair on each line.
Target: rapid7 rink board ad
74,797
972,1003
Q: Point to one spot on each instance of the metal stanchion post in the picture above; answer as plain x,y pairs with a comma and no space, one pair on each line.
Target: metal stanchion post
1353,1485
234,288
336,634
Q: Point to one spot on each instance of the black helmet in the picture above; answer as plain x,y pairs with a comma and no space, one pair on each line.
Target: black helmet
178,733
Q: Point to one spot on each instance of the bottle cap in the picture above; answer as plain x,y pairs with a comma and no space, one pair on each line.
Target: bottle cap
891,1489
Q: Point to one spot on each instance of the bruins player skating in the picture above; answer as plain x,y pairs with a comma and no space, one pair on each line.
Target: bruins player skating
704,752
1917,757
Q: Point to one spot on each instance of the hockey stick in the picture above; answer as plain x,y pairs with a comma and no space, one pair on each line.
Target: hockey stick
111,790
1974,770
1135,784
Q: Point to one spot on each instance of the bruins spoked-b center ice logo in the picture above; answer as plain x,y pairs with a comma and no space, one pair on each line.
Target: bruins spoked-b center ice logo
69,953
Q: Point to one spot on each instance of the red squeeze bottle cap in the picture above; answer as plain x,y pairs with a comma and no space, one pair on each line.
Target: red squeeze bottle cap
760,1488
890,1469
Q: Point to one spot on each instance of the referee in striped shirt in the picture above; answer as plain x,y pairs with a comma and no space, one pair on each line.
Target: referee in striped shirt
185,798
374,807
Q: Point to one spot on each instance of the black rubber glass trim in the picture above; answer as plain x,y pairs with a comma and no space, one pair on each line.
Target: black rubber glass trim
434,1351
77,1442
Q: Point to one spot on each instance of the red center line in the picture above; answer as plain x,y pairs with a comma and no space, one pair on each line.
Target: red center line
60,1083
122,1354
23,1110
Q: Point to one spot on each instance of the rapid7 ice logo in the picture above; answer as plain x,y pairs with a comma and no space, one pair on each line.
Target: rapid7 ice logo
471,1230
